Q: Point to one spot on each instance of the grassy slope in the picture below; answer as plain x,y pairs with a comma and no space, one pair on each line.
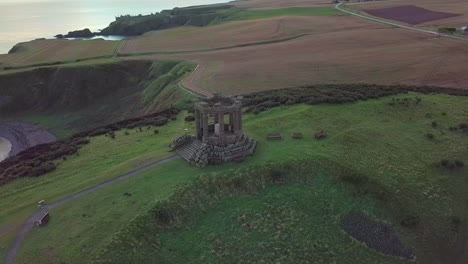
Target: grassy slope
99,161
385,143
270,13
152,91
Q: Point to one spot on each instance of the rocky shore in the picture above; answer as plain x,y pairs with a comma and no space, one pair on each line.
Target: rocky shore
24,135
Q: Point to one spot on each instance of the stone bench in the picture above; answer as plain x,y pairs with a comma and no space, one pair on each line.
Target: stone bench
297,136
274,137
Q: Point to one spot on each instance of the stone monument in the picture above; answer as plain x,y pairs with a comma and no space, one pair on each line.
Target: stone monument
219,137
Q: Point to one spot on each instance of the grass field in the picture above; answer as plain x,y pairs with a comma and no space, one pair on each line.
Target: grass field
387,144
292,11
448,6
276,4
57,51
102,160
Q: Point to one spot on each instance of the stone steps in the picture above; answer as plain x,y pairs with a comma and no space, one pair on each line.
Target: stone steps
188,150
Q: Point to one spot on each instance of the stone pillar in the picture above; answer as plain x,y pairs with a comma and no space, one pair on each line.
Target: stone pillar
236,123
198,124
231,122
221,124
240,120
205,127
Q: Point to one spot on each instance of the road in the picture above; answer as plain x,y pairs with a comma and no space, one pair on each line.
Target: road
338,6
11,257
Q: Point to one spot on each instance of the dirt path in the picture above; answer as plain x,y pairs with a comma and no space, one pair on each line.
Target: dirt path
338,6
13,252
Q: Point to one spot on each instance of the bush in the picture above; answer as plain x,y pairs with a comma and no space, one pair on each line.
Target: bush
127,133
190,118
434,124
156,132
459,163
430,136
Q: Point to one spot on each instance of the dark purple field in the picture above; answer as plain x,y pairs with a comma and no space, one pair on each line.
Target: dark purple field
409,14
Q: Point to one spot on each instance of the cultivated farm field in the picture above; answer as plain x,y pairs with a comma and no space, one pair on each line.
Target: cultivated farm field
334,50
250,32
57,51
274,4
459,7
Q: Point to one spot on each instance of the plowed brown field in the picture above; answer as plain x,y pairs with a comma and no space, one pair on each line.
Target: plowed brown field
446,6
48,51
338,50
227,35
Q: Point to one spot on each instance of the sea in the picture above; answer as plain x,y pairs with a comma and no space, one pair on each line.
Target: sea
25,20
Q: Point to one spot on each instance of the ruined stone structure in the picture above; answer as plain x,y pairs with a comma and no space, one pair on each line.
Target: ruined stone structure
219,137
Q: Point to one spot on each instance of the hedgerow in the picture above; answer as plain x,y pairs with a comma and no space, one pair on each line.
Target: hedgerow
336,94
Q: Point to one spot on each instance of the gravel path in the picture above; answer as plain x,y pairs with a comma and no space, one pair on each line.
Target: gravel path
10,258
337,6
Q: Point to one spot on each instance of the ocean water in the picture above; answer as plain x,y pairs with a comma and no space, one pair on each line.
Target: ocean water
25,20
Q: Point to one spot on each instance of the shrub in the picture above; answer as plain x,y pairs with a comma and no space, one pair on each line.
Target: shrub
190,118
430,135
98,132
459,163
434,124
410,221
463,126
127,133
156,132
112,134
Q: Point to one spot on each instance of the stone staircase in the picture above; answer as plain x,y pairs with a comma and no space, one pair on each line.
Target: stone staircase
188,150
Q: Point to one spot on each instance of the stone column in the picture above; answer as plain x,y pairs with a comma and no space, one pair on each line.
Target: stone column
221,124
236,122
231,122
198,124
240,119
205,127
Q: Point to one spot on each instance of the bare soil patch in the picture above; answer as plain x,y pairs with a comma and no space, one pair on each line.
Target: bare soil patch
375,235
337,50
213,37
409,14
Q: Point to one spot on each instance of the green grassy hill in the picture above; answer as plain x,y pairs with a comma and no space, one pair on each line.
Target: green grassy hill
68,99
377,158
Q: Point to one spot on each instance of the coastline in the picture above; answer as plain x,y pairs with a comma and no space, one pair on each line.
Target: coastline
5,148
32,25
23,135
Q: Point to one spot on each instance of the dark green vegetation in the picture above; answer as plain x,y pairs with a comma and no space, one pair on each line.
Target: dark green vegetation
39,160
375,159
190,16
447,30
294,11
201,16
67,100
248,216
338,94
